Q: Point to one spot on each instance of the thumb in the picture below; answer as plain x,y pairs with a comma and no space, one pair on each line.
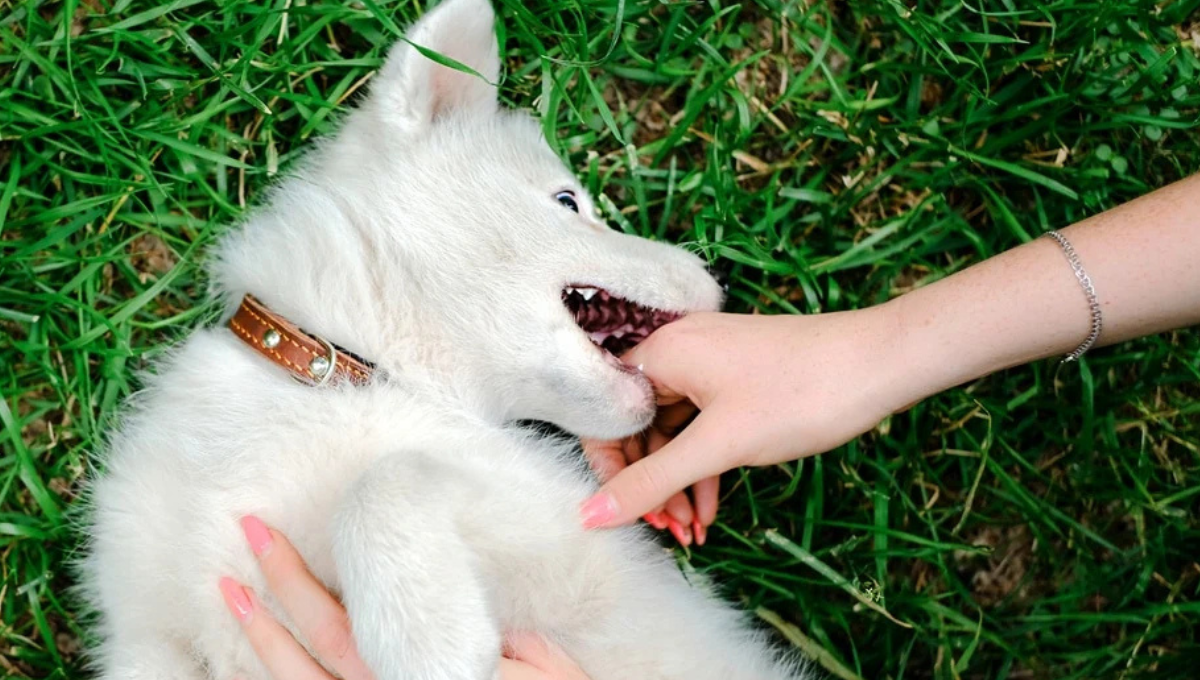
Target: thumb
702,450
674,370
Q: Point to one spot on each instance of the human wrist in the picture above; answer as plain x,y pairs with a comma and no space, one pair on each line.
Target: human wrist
921,366
1020,306
896,350
945,336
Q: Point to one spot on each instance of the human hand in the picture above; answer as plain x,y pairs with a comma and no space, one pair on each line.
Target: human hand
767,389
687,518
322,621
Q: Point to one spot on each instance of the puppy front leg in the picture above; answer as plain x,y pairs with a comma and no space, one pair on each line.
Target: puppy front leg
417,606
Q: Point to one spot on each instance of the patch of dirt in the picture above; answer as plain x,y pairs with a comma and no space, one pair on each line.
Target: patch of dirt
151,257
1001,574
909,279
932,94
68,645
12,330
925,577
1189,35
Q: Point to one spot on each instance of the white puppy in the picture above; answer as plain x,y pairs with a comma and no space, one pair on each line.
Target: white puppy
437,236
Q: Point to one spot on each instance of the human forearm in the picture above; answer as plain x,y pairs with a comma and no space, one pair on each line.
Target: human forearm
1026,304
774,388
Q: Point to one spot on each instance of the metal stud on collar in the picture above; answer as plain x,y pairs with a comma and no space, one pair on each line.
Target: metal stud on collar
271,338
324,367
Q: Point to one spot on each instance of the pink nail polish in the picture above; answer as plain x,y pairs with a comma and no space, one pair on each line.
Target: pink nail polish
236,599
655,519
700,532
257,534
597,511
680,532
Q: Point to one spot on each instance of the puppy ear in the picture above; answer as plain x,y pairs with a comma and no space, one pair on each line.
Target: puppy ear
413,90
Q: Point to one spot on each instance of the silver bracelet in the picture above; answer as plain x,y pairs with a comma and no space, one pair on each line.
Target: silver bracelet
1088,289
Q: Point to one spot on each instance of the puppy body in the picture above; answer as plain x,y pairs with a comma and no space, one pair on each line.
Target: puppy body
425,236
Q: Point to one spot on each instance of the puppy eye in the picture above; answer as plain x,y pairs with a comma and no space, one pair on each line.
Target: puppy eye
567,198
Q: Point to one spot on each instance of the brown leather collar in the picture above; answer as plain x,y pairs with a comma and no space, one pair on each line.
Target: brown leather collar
309,358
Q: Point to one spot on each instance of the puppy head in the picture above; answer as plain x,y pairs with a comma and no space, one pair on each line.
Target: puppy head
454,226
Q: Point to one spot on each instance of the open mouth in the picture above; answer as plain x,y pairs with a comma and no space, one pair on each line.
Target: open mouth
613,323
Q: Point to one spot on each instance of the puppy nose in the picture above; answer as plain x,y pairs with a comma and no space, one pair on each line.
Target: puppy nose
720,272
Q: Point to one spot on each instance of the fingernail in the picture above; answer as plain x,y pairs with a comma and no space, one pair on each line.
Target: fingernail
598,511
680,532
236,599
700,532
655,520
257,534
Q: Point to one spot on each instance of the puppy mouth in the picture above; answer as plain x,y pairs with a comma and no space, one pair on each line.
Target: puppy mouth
613,323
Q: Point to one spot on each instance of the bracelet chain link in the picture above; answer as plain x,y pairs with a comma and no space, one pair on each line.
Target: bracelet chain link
1088,289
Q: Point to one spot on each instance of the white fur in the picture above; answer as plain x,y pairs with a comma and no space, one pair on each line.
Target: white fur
425,236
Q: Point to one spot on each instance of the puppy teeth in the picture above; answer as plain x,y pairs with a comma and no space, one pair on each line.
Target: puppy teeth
587,293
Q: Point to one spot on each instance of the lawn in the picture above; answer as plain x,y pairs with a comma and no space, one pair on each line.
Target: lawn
1039,523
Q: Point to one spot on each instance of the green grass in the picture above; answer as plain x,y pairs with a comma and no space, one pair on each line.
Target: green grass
1040,523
